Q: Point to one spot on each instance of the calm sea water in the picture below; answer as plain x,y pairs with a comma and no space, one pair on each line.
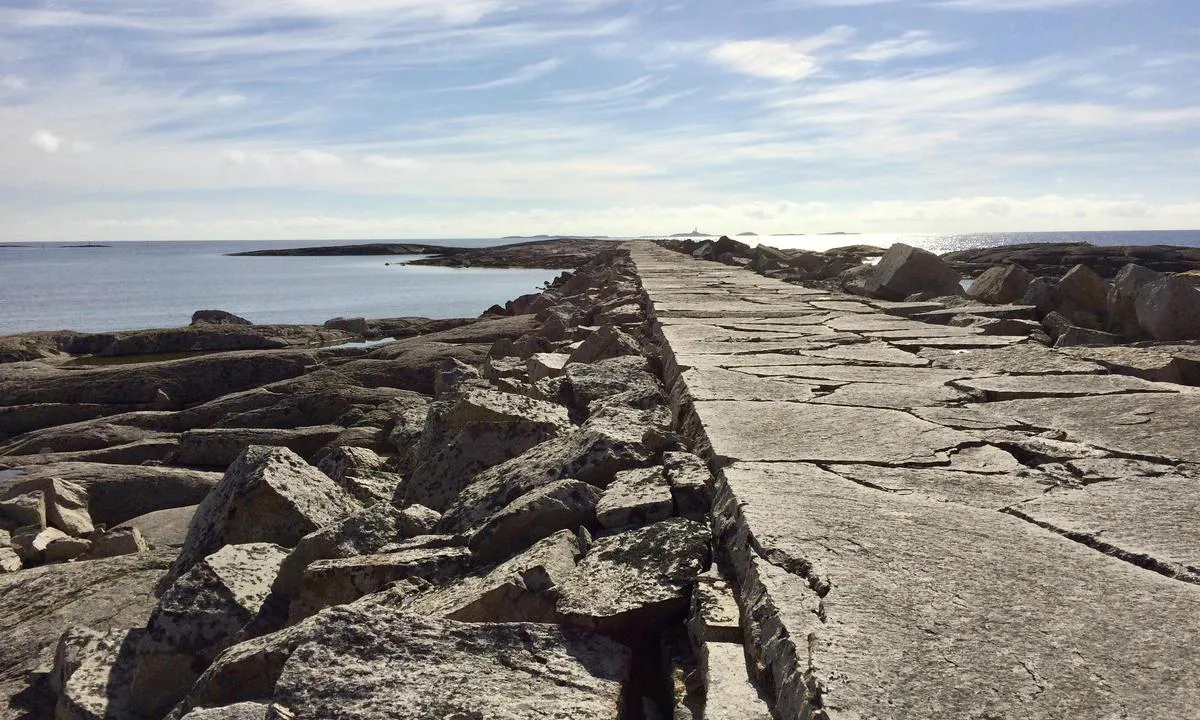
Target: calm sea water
136,285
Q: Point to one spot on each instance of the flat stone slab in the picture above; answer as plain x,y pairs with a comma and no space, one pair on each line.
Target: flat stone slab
1161,424
987,491
1027,358
939,610
1014,387
824,433
1154,521
718,384
890,396
862,373
976,342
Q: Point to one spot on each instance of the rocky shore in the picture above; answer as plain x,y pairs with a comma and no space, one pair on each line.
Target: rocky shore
549,254
740,483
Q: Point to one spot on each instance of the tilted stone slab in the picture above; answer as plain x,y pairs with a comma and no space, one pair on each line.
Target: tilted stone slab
1014,387
636,497
1161,424
1149,521
823,433
267,495
868,604
539,513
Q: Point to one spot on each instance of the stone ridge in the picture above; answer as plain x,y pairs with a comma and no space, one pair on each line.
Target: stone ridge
997,530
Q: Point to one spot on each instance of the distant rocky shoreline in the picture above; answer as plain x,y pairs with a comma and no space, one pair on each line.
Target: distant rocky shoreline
524,514
550,254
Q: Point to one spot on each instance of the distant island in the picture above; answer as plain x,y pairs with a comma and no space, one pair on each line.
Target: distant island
747,234
554,253
694,233
87,245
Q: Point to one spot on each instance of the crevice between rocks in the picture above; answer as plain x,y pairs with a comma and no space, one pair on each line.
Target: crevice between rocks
1142,560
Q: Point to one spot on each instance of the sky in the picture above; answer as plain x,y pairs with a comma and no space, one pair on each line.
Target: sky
289,119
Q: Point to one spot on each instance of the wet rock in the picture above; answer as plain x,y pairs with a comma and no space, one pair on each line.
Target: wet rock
119,541
629,582
905,270
162,528
344,662
27,509
635,497
1169,309
219,447
362,533
607,443
1001,284
340,581
267,495
1122,299
691,484
92,671
217,317
196,618
539,513
522,589
606,342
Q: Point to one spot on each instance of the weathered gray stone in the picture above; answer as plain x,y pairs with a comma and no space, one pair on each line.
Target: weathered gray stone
610,441
606,342
478,429
362,533
198,617
66,504
92,671
267,495
560,505
823,433
636,497
691,484
10,561
345,464
605,378
1012,387
25,510
56,546
708,382
840,578
989,491
522,589
905,270
1148,521
340,581
163,528
715,616
1001,284
880,395
1122,299
37,604
1169,309
923,377
1083,295
1074,336
1145,363
237,711
31,544
632,581
544,365
1027,358
220,447
118,541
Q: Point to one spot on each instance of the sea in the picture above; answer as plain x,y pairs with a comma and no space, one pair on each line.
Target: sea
137,285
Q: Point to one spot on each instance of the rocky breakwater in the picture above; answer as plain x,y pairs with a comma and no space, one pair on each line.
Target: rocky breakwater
506,524
925,517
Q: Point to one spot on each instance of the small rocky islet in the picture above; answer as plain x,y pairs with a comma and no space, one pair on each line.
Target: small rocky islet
690,479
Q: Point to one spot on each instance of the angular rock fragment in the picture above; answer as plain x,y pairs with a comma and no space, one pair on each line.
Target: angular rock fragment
560,505
691,484
219,447
362,533
1122,299
1001,284
522,589
10,561
119,541
606,378
715,616
162,528
544,365
606,342
1169,309
196,618
237,711
1083,296
267,495
35,546
340,581
613,440
630,582
66,504
92,672
635,497
24,510
905,270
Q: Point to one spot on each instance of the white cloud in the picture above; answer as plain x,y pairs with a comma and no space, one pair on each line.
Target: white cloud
231,100
13,83
318,158
915,43
392,163
523,75
765,59
46,141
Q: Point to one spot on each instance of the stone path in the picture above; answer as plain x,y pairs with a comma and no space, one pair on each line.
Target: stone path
927,522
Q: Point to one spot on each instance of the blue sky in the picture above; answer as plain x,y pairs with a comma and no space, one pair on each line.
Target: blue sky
213,119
